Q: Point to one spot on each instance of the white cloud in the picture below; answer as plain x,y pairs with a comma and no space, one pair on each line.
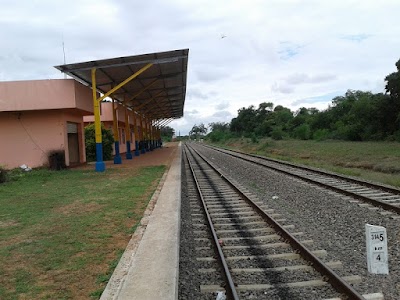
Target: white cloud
288,52
222,105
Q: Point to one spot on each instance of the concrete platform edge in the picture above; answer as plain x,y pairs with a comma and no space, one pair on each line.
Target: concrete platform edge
119,276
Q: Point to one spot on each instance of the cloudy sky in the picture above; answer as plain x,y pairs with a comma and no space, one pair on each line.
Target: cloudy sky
292,53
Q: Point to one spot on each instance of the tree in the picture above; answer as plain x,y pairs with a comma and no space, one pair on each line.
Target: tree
218,126
245,122
90,143
167,133
393,83
355,116
219,131
280,117
198,130
393,89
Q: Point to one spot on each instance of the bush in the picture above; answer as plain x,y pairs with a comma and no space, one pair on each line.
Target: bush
56,160
396,136
254,138
302,132
3,175
321,135
166,138
277,133
216,136
265,145
90,143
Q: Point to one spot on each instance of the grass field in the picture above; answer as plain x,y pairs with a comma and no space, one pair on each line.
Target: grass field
376,161
62,233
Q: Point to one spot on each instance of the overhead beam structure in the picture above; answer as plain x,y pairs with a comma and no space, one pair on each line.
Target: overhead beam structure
152,86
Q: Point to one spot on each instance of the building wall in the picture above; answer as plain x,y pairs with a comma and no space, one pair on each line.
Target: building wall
44,95
105,113
27,137
34,116
83,97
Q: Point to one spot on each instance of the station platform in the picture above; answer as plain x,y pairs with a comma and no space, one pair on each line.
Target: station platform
148,269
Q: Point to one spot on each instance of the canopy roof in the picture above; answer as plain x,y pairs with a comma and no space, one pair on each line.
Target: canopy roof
158,92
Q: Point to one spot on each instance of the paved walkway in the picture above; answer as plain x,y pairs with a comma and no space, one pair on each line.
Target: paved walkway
149,267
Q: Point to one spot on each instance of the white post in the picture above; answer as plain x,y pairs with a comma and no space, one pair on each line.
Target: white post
377,251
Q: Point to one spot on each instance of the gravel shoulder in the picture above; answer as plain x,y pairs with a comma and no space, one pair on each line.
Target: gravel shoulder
334,223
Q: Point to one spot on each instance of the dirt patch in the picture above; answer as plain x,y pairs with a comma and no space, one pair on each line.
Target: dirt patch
277,152
8,223
78,208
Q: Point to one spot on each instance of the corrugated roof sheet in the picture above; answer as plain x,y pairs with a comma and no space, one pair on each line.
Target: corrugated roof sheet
167,79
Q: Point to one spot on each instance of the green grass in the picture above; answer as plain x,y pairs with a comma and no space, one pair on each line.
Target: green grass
376,161
61,233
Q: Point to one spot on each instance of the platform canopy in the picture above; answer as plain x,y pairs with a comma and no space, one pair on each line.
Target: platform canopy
158,91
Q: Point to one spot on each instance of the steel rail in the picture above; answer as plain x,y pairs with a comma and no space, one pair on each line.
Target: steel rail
386,206
230,289
335,280
302,167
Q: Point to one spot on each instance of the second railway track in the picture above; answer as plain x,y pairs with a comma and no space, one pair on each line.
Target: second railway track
374,195
258,258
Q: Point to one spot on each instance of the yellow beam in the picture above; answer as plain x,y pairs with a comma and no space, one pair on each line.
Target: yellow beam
135,127
115,121
150,108
150,130
141,128
127,127
162,123
117,87
147,102
96,108
144,89
146,132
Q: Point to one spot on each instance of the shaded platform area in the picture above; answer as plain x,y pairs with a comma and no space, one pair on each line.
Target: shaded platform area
148,269
160,156
150,88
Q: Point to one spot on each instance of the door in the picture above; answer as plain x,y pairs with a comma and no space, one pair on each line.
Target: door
73,143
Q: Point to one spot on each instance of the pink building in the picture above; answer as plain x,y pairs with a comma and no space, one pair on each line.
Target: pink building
40,116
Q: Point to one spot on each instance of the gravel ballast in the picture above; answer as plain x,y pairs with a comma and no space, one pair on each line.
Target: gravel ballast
333,223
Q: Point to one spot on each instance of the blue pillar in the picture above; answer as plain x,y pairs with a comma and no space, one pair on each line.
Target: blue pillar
100,165
117,157
143,150
137,153
128,150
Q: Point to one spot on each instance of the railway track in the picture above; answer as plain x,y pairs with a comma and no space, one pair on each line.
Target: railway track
246,249
373,195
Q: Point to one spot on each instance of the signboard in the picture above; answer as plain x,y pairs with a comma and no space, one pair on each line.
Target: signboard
377,251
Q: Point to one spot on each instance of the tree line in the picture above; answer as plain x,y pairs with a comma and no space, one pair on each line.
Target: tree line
355,116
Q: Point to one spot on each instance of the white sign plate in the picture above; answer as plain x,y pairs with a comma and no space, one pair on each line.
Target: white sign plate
377,251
